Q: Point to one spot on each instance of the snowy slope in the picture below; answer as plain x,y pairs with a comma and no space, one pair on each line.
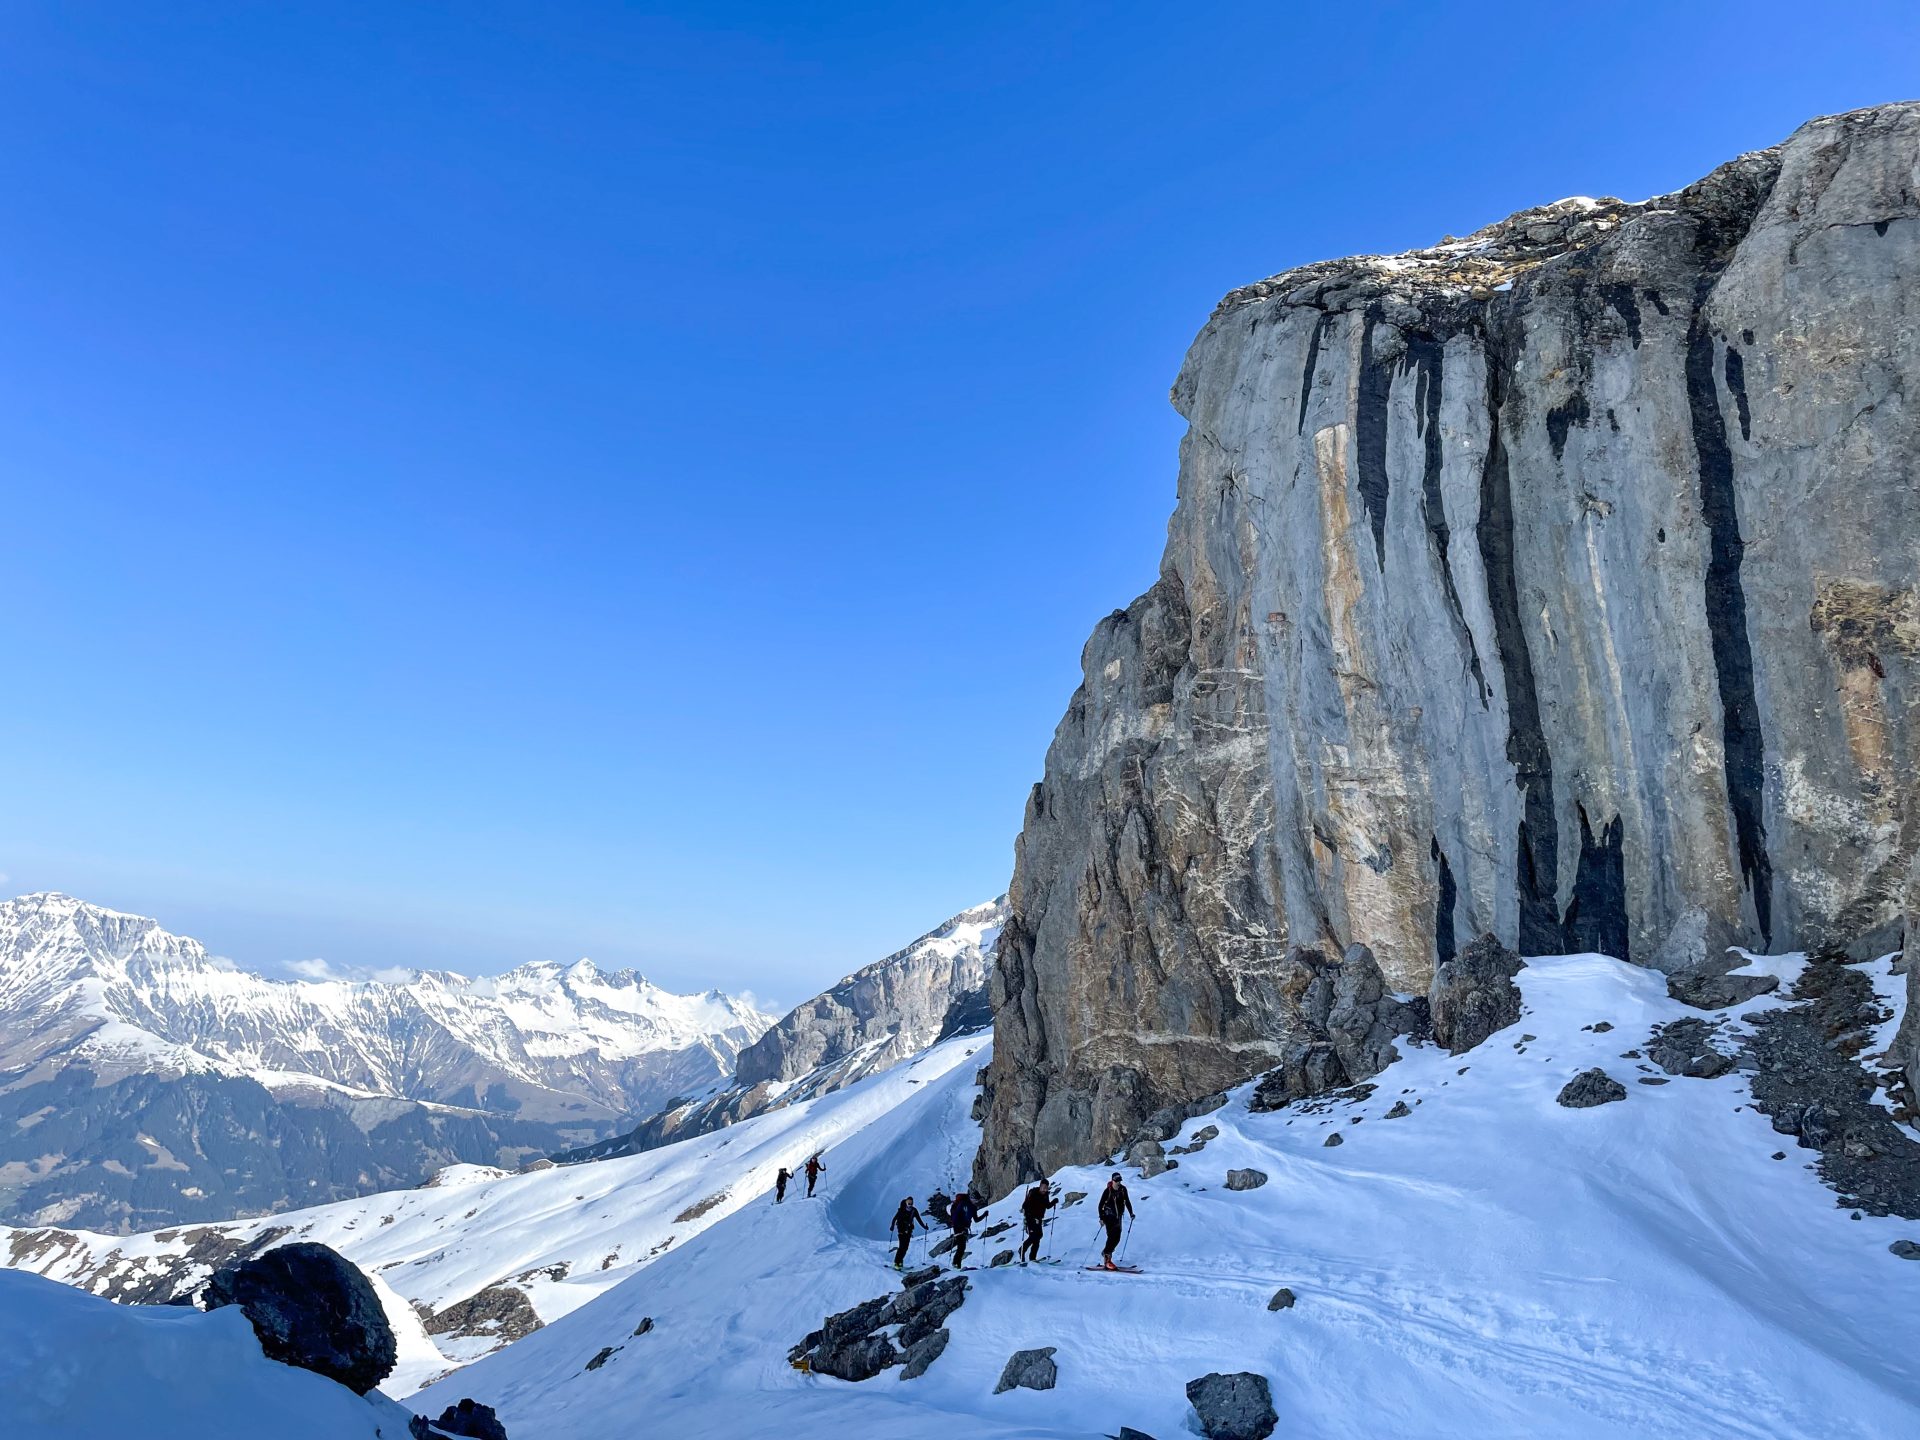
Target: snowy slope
561,1236
80,981
75,1368
869,1021
1492,1264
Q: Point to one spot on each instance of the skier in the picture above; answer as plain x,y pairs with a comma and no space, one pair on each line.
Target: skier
904,1219
960,1215
780,1184
937,1207
814,1167
1114,1202
1033,1210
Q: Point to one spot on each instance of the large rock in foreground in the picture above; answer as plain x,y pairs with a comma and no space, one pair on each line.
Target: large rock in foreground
1556,583
313,1308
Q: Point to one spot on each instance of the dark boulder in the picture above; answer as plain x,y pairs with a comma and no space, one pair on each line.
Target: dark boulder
311,1307
1590,1088
1246,1179
1233,1407
920,1276
1282,1299
1473,994
472,1419
1029,1370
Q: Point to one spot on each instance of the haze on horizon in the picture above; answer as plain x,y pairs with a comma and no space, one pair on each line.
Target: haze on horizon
487,487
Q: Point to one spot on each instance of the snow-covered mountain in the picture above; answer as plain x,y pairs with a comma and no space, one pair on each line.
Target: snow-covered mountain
872,1019
1463,1255
436,1068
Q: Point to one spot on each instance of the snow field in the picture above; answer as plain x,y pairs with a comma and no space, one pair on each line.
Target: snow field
1492,1264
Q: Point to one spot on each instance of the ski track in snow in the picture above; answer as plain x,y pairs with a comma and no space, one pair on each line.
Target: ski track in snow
1491,1265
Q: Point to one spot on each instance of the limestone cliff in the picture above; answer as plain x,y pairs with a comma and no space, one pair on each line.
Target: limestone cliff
1558,582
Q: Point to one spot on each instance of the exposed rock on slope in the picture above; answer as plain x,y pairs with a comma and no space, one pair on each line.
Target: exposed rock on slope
1557,582
878,1016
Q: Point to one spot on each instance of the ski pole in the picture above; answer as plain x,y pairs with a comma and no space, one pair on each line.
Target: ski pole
1129,1238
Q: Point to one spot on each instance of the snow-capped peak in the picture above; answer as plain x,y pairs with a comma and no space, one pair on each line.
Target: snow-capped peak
130,994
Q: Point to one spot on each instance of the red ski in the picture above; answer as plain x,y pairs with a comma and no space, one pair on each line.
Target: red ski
1115,1269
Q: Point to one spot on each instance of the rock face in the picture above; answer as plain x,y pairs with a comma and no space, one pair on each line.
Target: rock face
313,1308
1555,583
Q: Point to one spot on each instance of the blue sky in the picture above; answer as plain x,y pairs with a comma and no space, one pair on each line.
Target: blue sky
487,482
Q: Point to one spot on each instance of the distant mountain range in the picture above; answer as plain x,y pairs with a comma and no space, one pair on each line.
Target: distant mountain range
870,1021
143,1082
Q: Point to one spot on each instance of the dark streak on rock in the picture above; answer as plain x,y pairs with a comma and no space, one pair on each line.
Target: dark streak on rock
1320,328
1596,918
1370,436
1538,868
1620,297
1562,418
1736,371
1443,941
1425,354
1744,746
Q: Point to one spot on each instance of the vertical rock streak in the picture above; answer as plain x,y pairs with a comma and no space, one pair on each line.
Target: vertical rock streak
1726,607
1537,851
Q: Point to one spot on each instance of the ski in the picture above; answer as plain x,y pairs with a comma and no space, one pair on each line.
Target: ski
1115,1270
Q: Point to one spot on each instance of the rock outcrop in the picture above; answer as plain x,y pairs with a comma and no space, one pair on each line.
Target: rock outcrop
1555,583
313,1308
1473,994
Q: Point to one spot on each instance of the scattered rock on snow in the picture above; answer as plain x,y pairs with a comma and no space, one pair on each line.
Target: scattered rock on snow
1684,1047
1717,992
1005,1257
499,1312
1336,1138
1149,1155
1073,1197
311,1307
1905,1249
1590,1088
1473,994
1399,1111
920,1276
643,1327
1809,1082
1233,1407
1282,1299
605,1355
1029,1370
1246,1179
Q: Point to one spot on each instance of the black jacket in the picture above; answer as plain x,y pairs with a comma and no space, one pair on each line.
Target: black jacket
1036,1205
961,1214
906,1217
1114,1202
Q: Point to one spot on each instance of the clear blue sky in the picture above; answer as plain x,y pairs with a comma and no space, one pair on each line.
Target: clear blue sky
495,482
